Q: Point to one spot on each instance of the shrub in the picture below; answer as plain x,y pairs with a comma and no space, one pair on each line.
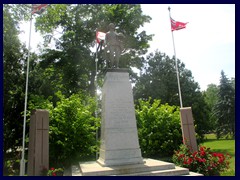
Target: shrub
72,128
203,161
159,128
52,172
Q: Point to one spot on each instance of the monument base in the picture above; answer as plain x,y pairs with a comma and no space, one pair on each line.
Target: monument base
151,167
117,162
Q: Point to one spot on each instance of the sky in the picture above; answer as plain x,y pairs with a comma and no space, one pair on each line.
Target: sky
206,46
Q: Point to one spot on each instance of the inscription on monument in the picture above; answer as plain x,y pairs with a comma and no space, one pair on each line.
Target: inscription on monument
119,138
117,77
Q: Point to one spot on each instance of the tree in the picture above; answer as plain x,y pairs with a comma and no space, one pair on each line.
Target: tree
78,23
224,108
14,59
211,94
211,97
158,80
13,64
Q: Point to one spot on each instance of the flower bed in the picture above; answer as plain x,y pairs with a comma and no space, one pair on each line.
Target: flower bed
203,161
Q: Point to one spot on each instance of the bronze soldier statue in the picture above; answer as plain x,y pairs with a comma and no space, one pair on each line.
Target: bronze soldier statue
113,46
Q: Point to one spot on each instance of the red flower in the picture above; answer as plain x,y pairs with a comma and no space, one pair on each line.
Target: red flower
195,153
54,174
214,165
214,154
209,168
201,160
190,160
221,159
181,156
202,153
52,169
202,148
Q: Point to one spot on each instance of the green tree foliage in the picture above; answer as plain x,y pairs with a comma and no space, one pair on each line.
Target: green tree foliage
211,94
224,108
159,128
74,58
13,82
72,134
46,81
211,97
158,80
18,12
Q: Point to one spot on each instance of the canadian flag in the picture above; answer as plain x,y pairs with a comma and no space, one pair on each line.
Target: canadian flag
176,25
38,8
100,36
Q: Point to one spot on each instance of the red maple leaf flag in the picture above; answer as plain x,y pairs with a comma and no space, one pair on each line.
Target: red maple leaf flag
100,36
176,25
38,8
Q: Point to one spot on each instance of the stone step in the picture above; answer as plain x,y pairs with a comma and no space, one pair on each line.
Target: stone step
193,174
151,167
178,171
95,169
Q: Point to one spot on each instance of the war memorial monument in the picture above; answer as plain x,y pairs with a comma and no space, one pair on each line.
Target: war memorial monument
120,153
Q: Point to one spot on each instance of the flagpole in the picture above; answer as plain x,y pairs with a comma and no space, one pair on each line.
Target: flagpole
96,115
179,88
22,164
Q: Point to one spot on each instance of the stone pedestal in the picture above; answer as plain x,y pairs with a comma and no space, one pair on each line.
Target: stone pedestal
38,149
119,137
188,130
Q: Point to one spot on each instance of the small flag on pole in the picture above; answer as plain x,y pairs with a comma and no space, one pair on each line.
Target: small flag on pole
38,8
100,36
176,25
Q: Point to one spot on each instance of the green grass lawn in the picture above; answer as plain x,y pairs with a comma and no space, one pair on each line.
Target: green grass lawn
222,146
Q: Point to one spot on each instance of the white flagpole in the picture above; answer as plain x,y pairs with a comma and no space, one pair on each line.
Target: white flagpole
22,164
96,115
179,88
